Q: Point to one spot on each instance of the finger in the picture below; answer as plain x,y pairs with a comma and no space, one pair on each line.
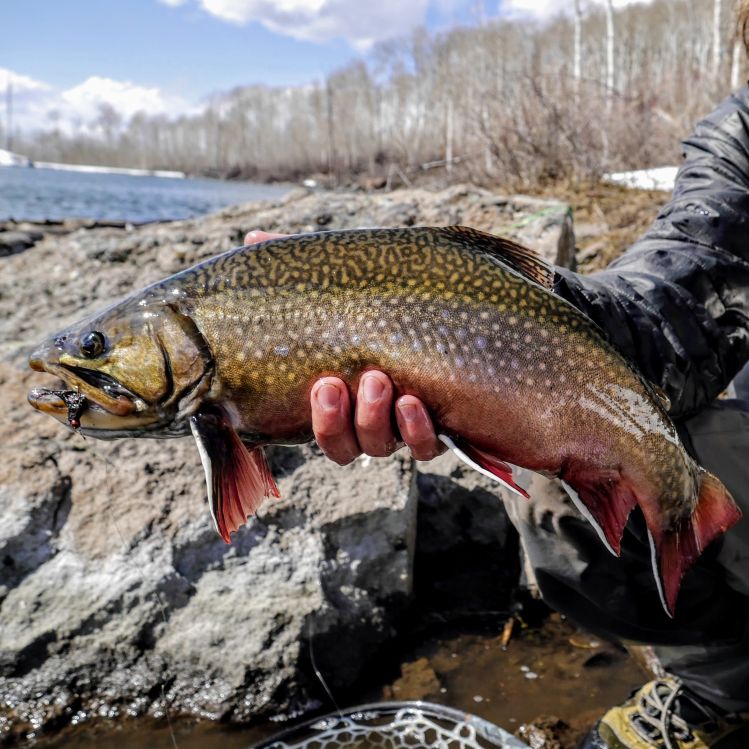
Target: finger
416,428
373,421
331,420
255,236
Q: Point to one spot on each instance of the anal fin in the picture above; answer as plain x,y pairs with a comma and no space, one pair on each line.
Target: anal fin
484,463
237,479
605,501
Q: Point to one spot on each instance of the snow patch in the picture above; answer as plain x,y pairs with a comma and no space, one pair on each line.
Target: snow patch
8,158
660,178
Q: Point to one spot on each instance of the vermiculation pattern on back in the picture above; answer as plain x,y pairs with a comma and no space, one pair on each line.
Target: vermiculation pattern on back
346,299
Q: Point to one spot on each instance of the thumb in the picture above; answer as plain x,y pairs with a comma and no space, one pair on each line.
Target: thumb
255,236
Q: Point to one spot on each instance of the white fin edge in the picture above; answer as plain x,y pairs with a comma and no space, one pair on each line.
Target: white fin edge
207,468
657,575
585,512
476,467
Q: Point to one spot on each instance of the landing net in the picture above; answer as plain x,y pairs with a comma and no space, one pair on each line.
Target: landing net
396,725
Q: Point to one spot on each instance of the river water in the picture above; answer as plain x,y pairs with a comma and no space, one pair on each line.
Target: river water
39,194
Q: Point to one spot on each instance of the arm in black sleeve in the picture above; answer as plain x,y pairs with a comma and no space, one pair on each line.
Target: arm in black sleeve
677,302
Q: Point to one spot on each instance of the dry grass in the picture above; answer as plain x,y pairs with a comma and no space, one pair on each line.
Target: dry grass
608,219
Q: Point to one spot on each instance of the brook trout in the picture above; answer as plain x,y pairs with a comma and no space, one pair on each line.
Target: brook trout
512,374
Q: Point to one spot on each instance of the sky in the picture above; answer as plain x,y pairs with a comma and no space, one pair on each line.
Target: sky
64,58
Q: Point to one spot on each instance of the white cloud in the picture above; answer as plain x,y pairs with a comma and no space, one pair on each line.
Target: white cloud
20,83
360,23
173,3
125,97
39,106
543,9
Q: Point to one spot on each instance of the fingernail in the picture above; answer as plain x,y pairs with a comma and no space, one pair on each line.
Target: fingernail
372,388
408,411
328,397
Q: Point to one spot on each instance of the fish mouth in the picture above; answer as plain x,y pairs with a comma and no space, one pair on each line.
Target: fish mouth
117,398
91,399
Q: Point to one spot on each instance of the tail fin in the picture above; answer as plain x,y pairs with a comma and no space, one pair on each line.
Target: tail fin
675,551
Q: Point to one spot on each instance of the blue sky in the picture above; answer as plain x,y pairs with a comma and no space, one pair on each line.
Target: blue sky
66,57
182,49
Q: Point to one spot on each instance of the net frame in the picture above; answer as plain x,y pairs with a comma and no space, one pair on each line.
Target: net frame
395,725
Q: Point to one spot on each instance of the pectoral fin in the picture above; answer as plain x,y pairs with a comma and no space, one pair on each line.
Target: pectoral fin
237,479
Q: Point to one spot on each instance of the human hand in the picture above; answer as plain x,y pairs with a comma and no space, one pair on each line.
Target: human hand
343,437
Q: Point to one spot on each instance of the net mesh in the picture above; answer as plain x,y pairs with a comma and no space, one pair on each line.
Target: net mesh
393,726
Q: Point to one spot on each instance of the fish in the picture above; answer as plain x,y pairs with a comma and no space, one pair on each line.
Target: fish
512,374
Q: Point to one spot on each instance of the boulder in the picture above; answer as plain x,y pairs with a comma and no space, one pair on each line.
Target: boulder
116,595
12,242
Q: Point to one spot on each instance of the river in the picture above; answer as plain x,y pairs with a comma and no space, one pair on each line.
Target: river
41,194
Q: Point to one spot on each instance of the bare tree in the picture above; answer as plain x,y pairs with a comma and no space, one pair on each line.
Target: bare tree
609,54
507,102
577,46
717,39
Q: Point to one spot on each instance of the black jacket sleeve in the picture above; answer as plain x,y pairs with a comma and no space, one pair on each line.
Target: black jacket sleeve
677,302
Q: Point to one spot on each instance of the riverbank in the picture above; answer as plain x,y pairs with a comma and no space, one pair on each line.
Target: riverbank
119,602
17,160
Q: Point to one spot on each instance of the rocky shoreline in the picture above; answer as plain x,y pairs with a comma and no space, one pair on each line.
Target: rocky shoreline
117,597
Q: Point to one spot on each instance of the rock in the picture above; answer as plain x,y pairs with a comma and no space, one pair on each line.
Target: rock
467,550
115,591
417,681
545,732
110,596
12,242
546,226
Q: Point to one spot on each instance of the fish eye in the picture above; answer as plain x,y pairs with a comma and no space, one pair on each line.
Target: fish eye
92,344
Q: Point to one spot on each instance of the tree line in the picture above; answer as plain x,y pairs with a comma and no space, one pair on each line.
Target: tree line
510,102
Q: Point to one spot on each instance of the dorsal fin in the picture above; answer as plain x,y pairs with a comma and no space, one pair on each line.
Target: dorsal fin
526,262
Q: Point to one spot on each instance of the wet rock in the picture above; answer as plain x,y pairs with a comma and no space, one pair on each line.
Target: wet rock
417,681
545,732
116,595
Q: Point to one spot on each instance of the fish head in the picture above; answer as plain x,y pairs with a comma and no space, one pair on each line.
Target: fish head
127,371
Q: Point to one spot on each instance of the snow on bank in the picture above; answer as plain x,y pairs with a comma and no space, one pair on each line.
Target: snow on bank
110,170
661,178
8,158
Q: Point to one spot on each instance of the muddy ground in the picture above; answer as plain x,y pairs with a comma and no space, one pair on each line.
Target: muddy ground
608,218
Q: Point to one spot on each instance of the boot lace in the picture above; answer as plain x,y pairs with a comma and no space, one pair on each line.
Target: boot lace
657,718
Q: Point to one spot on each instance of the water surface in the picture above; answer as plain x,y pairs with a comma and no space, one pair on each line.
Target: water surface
39,194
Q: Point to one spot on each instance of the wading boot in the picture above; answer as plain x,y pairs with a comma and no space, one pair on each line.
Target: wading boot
664,714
